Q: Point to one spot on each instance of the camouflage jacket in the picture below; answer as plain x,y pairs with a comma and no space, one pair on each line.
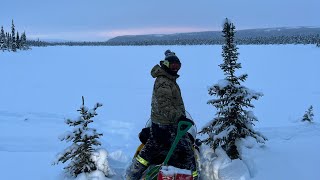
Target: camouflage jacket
167,104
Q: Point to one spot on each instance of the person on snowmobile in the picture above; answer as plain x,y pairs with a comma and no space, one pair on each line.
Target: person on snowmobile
167,110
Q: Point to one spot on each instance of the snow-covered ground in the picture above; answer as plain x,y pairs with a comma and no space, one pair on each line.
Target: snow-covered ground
42,87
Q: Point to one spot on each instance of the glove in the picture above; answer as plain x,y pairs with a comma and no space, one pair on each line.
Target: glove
184,118
144,135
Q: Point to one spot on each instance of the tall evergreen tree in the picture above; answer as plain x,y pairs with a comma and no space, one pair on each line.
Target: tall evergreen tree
8,41
84,140
13,38
233,119
2,40
308,115
18,40
23,41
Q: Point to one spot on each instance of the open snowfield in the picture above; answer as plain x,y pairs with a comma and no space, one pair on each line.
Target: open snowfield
43,86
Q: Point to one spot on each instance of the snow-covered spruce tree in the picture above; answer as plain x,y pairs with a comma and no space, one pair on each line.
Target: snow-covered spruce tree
316,40
18,41
8,41
3,45
233,119
13,38
308,115
84,140
23,41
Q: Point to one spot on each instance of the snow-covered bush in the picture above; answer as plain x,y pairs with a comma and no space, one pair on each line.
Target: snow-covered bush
308,115
82,153
233,119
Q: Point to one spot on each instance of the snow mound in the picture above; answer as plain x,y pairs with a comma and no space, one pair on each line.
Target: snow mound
218,166
235,170
100,157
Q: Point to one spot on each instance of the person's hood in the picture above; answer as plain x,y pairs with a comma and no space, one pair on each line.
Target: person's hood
158,71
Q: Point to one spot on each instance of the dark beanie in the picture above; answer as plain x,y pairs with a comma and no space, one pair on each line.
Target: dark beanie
171,56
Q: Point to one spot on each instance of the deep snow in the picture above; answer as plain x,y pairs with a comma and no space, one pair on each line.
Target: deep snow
42,87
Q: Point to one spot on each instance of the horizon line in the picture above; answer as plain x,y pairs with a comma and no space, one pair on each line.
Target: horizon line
108,35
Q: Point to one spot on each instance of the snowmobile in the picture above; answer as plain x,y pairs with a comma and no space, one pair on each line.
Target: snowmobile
165,172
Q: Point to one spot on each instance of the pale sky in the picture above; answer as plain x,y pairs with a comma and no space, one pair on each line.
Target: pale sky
102,19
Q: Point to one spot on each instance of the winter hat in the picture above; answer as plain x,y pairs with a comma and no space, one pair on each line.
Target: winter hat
171,56
170,59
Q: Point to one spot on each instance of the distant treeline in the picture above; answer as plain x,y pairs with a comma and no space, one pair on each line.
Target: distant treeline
12,41
272,40
308,39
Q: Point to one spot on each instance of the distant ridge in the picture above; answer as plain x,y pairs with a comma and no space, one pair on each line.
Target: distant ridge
217,35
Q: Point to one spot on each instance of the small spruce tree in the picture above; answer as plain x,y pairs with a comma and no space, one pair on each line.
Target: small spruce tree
308,116
233,121
318,40
18,41
8,38
84,140
13,38
23,41
3,45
